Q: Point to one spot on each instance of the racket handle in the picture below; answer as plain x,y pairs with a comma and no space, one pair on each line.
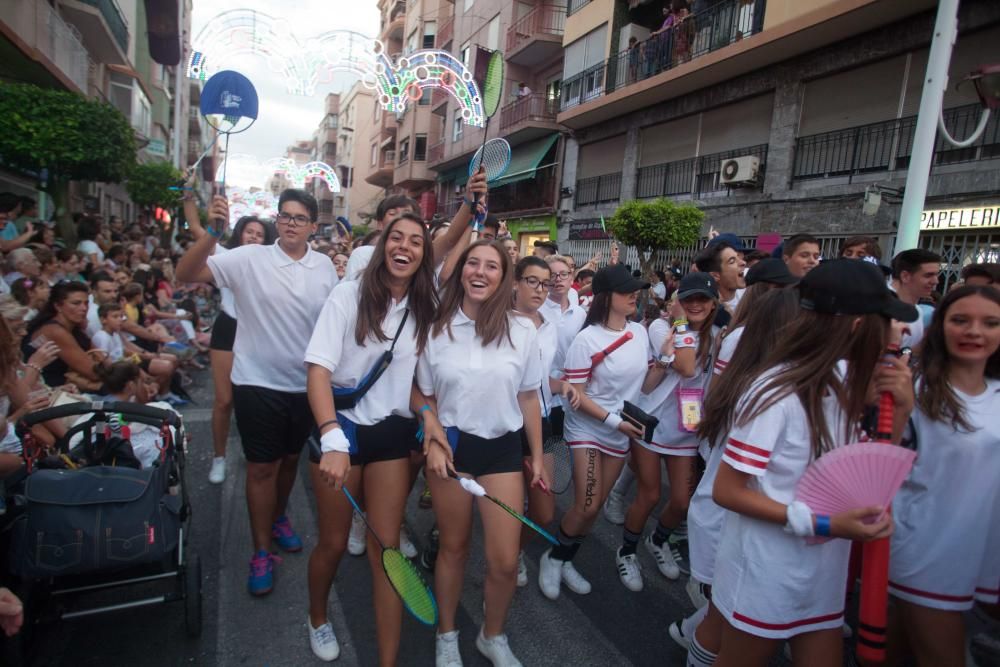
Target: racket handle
873,608
602,355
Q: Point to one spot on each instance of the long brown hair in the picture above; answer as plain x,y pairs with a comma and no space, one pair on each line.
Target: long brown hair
706,342
807,353
376,296
748,304
493,321
9,356
935,395
764,326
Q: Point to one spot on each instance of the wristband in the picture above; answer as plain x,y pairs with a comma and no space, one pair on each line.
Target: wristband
423,409
823,525
328,422
613,420
800,519
210,230
34,367
680,326
684,340
334,441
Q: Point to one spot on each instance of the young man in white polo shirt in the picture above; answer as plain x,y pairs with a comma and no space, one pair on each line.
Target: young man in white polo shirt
388,209
279,291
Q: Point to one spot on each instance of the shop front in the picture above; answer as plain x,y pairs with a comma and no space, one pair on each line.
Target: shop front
962,236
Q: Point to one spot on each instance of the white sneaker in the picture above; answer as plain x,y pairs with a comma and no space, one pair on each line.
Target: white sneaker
676,631
522,571
405,545
549,575
574,580
446,650
614,508
664,560
497,650
356,541
629,571
696,593
323,641
217,474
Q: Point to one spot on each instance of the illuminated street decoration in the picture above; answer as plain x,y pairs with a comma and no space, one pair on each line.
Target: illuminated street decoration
250,170
312,62
243,202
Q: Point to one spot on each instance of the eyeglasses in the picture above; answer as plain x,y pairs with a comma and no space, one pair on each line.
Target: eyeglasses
535,283
562,275
292,220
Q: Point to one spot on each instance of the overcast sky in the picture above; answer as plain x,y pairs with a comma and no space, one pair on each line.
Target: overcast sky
284,117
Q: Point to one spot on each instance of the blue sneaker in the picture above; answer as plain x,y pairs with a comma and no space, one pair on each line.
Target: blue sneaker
261,579
282,533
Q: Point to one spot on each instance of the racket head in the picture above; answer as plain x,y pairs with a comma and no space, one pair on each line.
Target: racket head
494,157
562,463
493,84
410,586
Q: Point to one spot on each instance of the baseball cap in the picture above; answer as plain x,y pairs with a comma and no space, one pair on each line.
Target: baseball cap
617,278
770,270
732,239
551,245
850,287
697,283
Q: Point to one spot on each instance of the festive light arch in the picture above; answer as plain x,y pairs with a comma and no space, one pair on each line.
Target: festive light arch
250,169
243,202
306,64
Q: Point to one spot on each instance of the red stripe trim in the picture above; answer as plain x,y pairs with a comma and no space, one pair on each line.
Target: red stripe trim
656,444
786,626
596,445
745,459
988,591
929,595
719,363
750,449
576,370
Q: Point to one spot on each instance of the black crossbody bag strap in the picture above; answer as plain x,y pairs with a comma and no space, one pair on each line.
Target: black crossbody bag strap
376,372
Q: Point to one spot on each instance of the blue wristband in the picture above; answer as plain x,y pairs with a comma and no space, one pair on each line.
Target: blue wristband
823,525
210,230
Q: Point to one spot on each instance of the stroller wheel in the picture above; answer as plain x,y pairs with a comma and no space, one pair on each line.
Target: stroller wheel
192,596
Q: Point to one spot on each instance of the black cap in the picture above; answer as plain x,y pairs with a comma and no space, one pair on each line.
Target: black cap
850,287
698,283
732,239
616,278
770,270
551,245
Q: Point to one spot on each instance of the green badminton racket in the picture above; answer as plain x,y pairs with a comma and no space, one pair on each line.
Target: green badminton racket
404,576
476,489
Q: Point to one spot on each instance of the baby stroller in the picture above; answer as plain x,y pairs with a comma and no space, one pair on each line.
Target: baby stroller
89,518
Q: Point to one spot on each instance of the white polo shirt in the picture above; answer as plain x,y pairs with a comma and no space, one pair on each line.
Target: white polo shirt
228,303
358,262
278,300
334,347
568,324
476,387
110,343
547,343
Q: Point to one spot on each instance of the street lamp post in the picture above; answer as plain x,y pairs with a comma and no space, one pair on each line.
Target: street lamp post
350,176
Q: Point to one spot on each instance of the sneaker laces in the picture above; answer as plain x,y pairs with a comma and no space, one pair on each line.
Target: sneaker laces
629,565
324,634
259,564
283,527
449,649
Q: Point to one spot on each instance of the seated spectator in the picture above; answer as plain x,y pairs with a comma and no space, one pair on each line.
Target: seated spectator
32,294
49,267
22,263
70,265
63,321
87,232
10,209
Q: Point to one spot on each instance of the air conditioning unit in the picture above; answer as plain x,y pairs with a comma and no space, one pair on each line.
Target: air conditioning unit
739,170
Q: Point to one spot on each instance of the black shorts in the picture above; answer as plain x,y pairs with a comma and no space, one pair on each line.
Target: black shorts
390,439
546,434
481,456
272,424
556,418
223,333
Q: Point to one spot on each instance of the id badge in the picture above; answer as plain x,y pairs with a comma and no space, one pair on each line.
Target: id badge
689,403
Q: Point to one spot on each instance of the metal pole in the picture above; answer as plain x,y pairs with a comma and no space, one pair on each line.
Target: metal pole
347,196
178,121
935,83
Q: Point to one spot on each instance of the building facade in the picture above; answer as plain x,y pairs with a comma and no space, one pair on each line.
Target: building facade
353,165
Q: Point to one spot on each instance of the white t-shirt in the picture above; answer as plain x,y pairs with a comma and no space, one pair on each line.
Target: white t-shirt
228,302
110,343
89,248
476,387
547,343
358,262
567,324
732,304
278,300
660,290
93,321
727,349
334,347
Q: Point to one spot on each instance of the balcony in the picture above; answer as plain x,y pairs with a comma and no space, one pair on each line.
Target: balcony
696,176
531,196
537,36
529,117
445,33
397,20
598,189
51,39
435,152
439,101
382,174
886,146
194,121
387,127
102,26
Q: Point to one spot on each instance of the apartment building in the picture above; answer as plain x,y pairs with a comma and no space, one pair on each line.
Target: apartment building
100,49
356,121
325,149
530,34
773,116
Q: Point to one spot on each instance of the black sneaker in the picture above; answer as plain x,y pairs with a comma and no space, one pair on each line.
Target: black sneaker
679,550
429,555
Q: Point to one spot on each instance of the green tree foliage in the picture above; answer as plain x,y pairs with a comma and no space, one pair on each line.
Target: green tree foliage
661,224
149,185
72,137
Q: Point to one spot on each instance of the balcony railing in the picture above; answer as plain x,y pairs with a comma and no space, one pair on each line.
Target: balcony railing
598,189
435,152
717,27
574,6
532,194
388,160
886,146
535,107
694,176
542,20
445,32
114,18
61,43
398,9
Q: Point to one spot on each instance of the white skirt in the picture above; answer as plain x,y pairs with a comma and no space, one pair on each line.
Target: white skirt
705,519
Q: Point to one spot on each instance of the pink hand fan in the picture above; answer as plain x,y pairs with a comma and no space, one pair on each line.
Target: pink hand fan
853,476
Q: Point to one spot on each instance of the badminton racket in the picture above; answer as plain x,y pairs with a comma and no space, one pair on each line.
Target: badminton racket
476,489
562,463
874,604
403,576
491,91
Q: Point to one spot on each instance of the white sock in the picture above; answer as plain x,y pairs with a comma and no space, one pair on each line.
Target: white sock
699,656
691,623
624,482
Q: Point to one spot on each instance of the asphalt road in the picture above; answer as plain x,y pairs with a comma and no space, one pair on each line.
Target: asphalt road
611,626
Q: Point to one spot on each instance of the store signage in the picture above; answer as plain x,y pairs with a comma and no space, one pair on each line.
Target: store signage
960,218
587,230
156,147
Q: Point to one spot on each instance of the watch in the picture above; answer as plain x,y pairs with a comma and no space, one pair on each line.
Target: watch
665,360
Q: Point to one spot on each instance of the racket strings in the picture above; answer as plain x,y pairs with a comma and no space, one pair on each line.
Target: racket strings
493,157
493,84
409,584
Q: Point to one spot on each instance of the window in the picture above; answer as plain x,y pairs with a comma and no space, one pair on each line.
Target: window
583,78
411,42
374,154
430,32
425,97
457,128
493,34
463,55
404,150
420,148
331,121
